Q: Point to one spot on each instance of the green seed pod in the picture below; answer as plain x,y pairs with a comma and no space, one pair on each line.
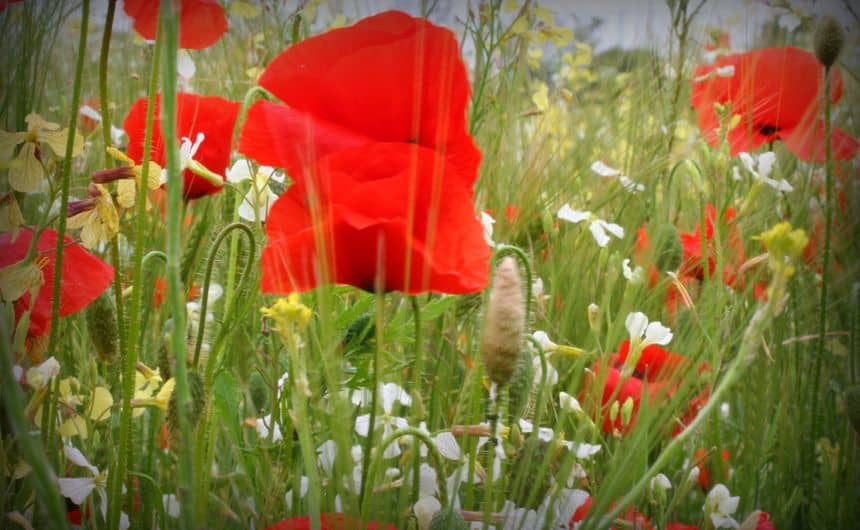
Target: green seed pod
259,390
504,323
852,406
829,40
448,519
195,409
521,384
102,326
668,251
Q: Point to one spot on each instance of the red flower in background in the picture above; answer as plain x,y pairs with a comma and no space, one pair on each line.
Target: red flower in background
656,368
328,521
775,91
201,22
84,277
693,255
212,116
638,520
373,132
705,464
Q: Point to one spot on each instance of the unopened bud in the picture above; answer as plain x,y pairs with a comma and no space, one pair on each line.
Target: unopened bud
504,324
829,40
593,316
103,327
626,411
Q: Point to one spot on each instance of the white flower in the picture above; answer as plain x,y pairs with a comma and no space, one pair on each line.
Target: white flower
636,275
660,481
304,482
425,509
545,434
598,227
760,167
654,332
389,392
626,182
260,196
186,154
497,448
327,451
551,373
116,134
185,66
487,222
78,490
719,507
171,505
568,402
263,425
39,376
445,443
630,185
546,344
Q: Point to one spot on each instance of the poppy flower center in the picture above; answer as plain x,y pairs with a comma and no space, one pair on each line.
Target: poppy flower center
768,130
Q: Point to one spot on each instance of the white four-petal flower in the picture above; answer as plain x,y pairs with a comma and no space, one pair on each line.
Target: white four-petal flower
598,227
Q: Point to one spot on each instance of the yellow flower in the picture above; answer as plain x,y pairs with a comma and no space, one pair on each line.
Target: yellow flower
286,312
160,400
783,245
10,215
26,172
96,216
128,177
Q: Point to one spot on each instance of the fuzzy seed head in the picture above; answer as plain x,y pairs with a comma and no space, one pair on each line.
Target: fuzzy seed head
504,324
829,40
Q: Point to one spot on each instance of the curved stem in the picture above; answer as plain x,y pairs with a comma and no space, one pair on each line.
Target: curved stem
204,297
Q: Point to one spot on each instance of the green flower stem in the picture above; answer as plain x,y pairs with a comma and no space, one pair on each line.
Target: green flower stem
129,348
749,346
65,177
415,386
103,68
169,21
34,454
379,457
825,271
374,399
539,405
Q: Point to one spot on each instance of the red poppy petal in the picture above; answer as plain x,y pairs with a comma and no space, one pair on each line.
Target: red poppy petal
84,276
809,143
201,22
275,135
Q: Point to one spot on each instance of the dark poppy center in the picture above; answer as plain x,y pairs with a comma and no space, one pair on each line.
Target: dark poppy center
768,130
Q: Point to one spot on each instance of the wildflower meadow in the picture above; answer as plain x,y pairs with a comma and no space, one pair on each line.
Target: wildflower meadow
429,264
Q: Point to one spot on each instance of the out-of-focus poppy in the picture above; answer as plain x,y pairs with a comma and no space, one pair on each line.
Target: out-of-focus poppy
373,132
201,22
637,519
84,277
705,464
212,117
328,521
776,94
657,369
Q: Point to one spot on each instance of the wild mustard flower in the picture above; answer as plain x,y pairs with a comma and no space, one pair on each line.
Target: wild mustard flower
288,314
96,217
26,172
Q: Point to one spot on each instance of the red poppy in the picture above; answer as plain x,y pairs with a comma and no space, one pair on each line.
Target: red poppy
83,279
201,22
763,522
775,91
681,526
387,78
693,257
656,368
377,208
630,514
328,521
212,116
705,465
373,132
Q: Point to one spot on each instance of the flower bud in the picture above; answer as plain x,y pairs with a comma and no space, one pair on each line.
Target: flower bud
627,411
504,323
829,40
197,393
102,326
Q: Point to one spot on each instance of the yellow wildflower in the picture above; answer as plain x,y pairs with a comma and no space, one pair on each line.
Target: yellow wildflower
10,215
21,277
26,172
128,177
287,312
96,216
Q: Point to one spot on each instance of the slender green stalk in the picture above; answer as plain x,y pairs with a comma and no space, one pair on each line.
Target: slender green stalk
129,359
65,177
825,274
415,386
103,68
374,400
169,21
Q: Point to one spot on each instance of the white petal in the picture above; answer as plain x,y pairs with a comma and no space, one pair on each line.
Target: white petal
614,229
748,162
427,484
171,505
239,171
543,339
603,170
185,65
91,113
566,213
425,509
74,455
362,424
636,324
599,233
585,450
124,523
525,425
626,270
766,162
568,402
76,489
657,333
447,445
725,71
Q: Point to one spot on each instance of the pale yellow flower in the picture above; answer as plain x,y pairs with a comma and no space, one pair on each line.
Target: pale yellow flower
26,172
128,177
21,277
10,215
97,217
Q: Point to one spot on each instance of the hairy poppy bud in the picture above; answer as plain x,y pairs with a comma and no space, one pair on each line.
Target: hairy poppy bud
194,411
829,39
504,324
102,326
521,384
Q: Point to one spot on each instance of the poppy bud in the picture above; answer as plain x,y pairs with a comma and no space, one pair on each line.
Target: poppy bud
197,393
852,406
504,324
521,384
829,39
102,326
448,519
